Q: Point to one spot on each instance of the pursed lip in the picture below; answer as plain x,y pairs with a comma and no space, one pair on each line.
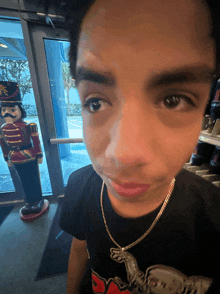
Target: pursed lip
124,182
128,189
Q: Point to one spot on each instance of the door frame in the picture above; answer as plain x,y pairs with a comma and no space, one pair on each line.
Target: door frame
34,36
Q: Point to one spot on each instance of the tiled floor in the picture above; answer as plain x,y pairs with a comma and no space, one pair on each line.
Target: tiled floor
21,248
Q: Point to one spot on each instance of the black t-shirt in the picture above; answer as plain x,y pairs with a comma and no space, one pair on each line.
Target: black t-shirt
180,255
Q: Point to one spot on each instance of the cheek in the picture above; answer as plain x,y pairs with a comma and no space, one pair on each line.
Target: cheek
181,144
91,137
95,141
96,131
18,113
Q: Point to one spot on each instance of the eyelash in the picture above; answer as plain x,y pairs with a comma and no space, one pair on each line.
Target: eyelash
86,106
89,101
181,97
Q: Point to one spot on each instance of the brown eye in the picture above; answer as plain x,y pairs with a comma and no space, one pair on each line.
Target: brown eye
172,101
178,102
94,105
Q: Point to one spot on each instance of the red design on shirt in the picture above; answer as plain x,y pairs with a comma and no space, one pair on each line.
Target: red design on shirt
113,289
98,284
101,286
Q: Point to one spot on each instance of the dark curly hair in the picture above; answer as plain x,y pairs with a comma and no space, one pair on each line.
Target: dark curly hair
23,112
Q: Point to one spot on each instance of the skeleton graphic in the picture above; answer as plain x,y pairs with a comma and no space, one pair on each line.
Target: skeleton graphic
158,279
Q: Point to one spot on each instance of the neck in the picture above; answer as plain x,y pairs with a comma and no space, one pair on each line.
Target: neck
142,206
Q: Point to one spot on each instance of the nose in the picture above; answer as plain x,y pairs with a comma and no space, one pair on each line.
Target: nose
133,139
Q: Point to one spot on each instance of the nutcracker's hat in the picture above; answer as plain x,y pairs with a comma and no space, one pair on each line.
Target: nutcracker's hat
9,93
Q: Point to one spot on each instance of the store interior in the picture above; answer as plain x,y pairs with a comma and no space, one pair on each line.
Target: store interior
29,250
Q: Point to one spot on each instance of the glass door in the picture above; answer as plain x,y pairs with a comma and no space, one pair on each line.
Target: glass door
14,66
66,108
60,118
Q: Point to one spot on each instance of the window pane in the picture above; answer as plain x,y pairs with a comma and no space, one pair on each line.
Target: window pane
67,107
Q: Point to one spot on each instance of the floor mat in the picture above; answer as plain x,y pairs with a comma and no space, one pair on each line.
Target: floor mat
4,212
56,254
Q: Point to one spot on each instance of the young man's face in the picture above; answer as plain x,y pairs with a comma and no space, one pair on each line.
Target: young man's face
144,76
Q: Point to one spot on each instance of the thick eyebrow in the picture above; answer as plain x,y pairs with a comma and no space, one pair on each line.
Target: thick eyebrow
84,74
190,74
182,75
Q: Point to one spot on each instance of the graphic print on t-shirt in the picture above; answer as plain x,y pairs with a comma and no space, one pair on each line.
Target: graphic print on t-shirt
158,279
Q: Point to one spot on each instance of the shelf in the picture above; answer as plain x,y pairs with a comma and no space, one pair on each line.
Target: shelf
204,172
208,138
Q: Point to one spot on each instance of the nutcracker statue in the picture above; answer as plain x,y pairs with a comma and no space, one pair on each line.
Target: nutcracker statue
21,147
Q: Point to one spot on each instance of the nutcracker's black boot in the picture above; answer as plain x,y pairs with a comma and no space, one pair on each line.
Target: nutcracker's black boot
34,210
37,207
27,209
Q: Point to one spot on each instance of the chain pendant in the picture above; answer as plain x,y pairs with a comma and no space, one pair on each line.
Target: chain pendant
117,254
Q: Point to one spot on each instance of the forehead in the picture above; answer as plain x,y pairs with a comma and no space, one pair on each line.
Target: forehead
119,30
118,16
